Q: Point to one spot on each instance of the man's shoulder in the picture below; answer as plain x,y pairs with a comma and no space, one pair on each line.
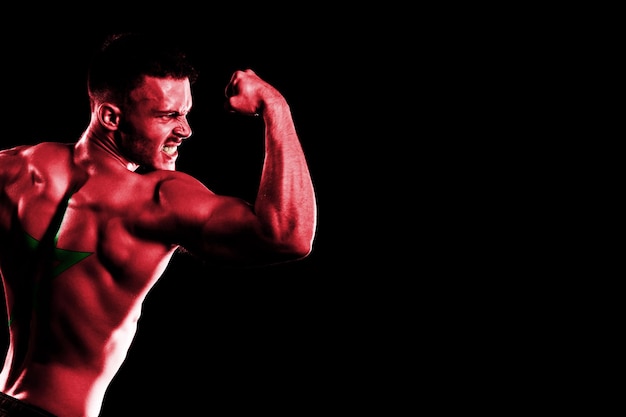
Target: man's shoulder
38,149
14,151
177,177
176,185
44,157
13,159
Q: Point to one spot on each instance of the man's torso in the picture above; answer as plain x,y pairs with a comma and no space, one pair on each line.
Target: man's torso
77,256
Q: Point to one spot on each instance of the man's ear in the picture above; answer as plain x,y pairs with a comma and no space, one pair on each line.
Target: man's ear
109,116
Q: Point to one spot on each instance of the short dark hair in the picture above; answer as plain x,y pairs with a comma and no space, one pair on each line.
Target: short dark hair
124,59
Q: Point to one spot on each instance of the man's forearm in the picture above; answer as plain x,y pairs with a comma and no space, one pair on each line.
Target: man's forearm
286,201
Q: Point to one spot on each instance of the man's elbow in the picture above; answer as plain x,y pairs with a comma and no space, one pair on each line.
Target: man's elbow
303,250
299,246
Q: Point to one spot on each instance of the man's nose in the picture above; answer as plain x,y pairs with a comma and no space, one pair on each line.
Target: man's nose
183,129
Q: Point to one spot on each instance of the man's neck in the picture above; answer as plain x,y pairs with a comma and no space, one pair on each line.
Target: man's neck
98,148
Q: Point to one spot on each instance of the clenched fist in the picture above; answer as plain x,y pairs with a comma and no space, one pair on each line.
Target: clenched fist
248,94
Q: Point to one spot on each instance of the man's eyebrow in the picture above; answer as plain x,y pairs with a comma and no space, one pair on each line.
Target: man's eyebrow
172,111
166,112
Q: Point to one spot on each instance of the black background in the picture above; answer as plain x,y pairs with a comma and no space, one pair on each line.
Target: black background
405,116
275,339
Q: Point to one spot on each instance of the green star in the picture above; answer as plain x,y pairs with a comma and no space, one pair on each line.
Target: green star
63,258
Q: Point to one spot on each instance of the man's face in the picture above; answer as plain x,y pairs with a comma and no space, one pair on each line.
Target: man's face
156,122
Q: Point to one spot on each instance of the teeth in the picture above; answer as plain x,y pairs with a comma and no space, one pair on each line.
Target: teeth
170,150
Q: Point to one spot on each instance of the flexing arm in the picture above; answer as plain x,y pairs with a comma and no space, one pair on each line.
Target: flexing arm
285,204
281,224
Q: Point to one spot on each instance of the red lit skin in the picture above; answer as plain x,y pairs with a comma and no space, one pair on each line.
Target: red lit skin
64,353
